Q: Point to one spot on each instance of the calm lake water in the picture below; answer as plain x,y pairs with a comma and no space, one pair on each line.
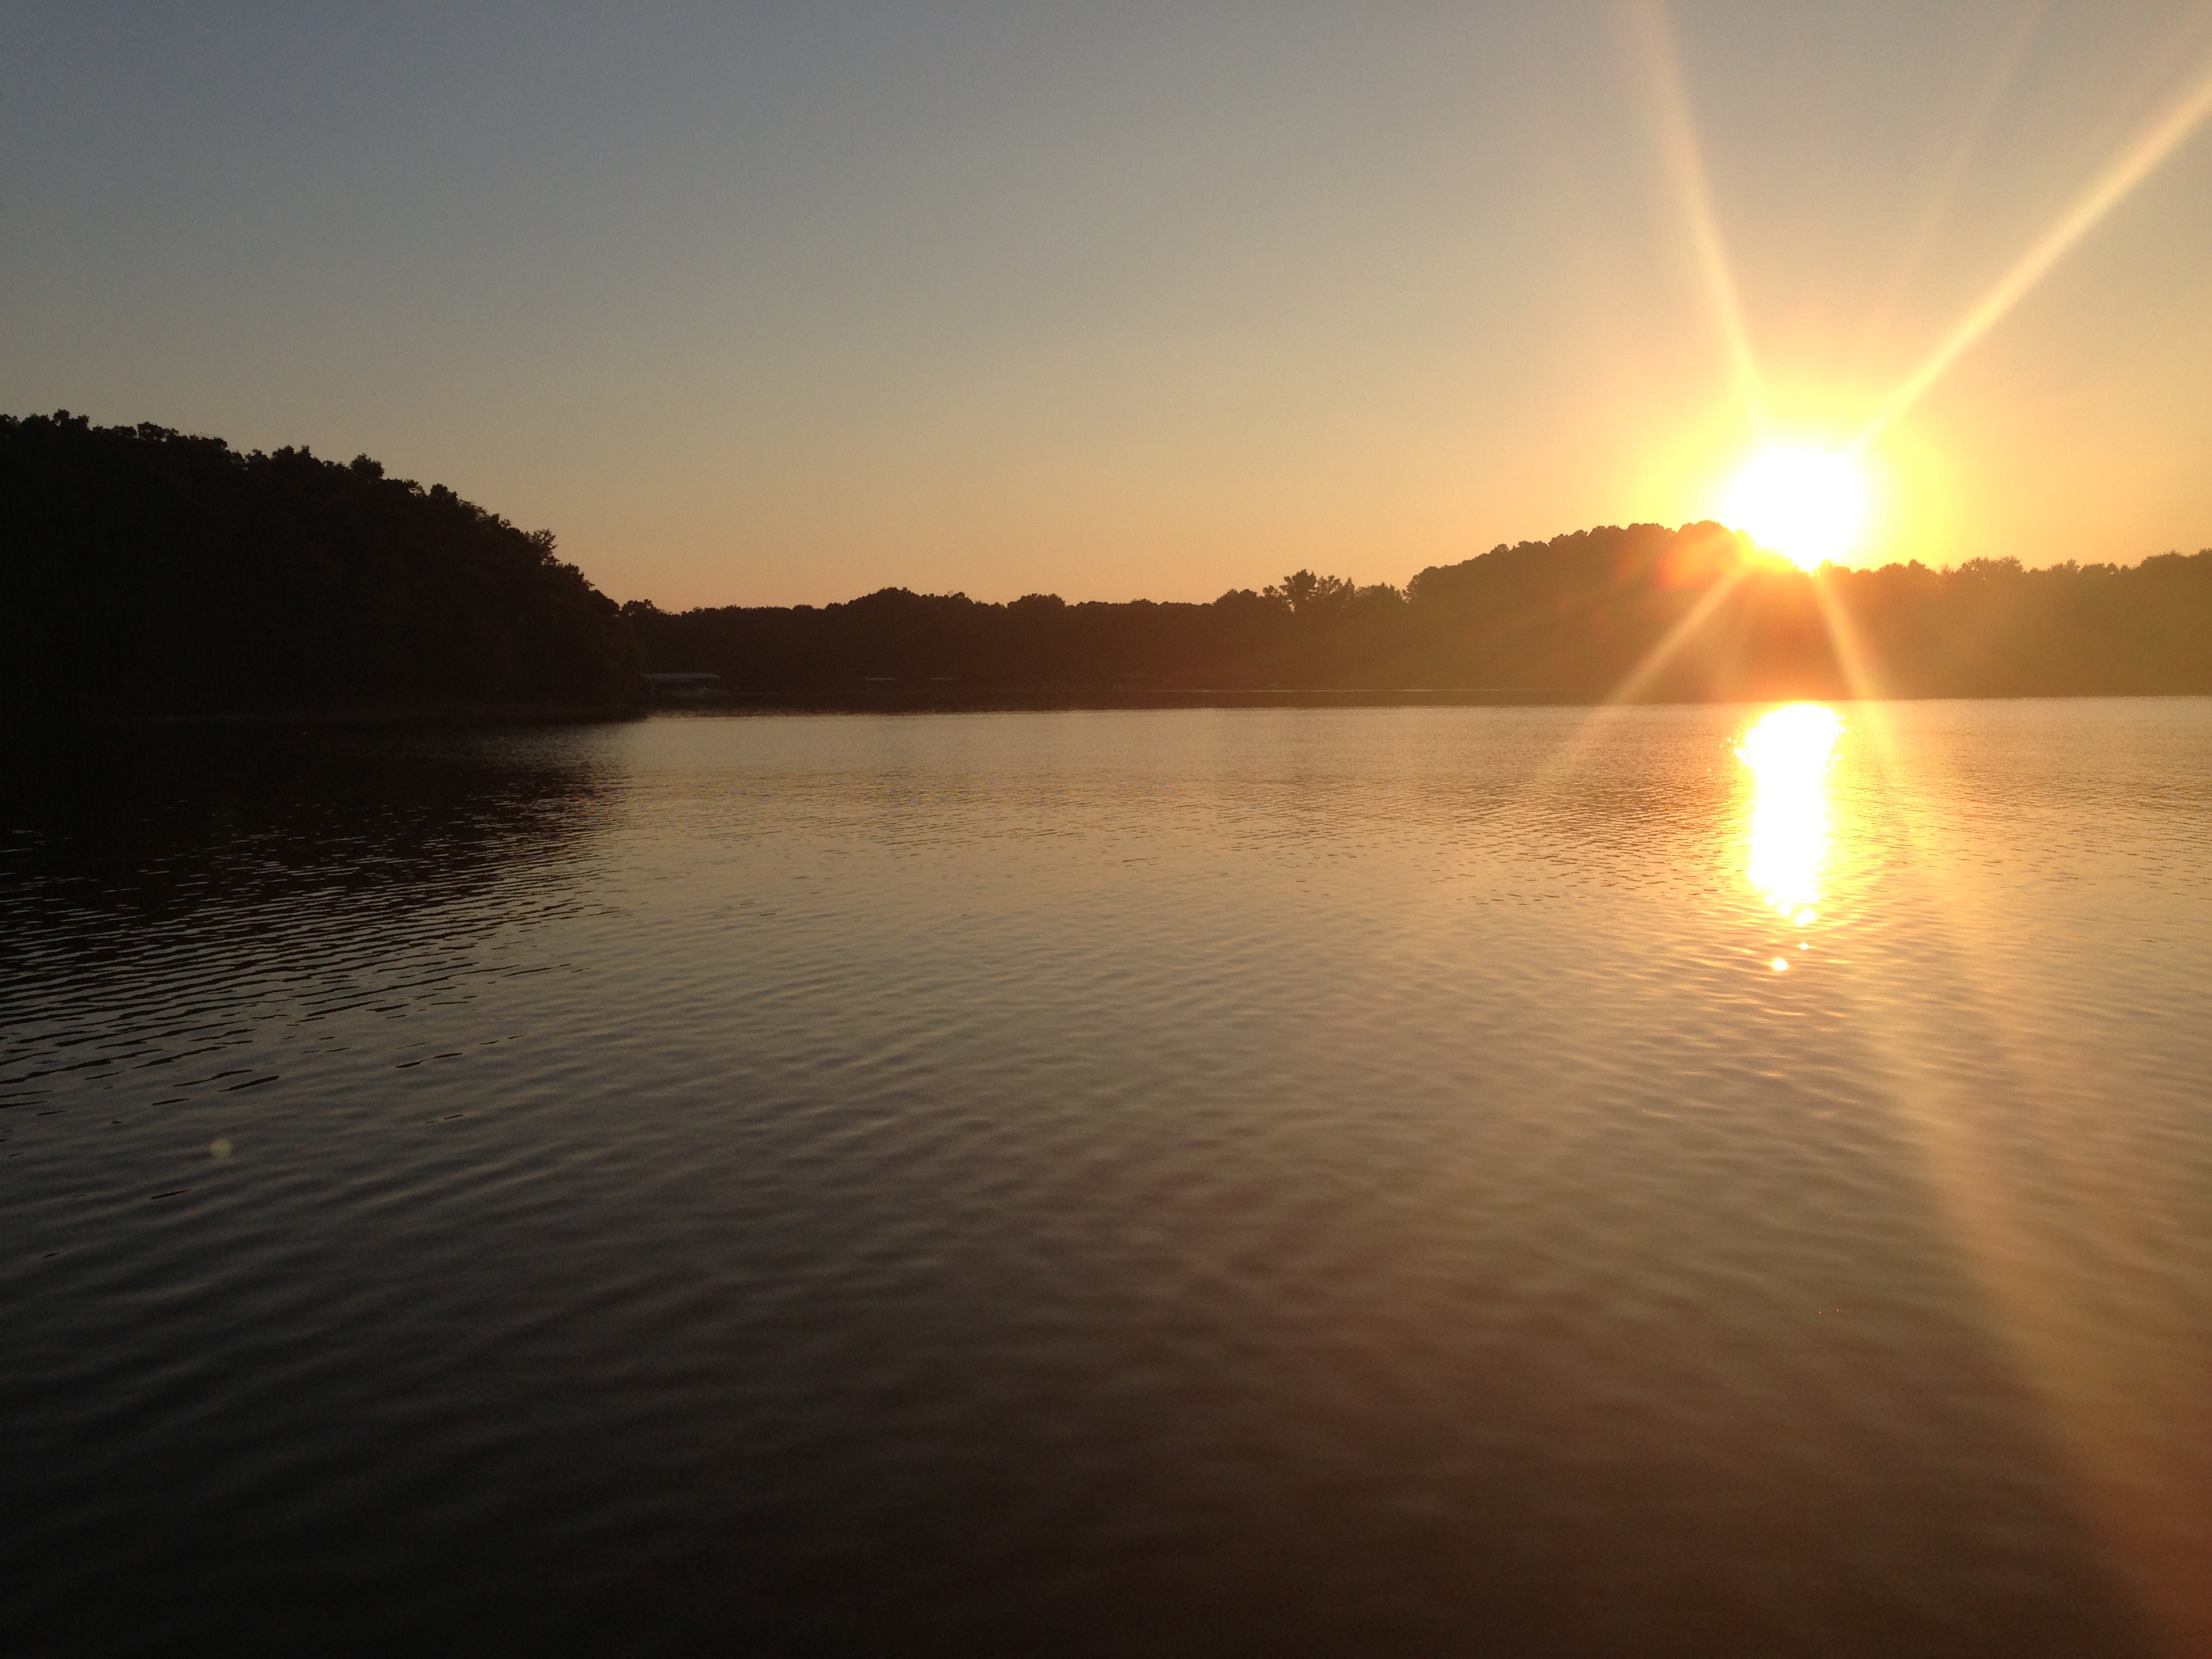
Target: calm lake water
1370,1181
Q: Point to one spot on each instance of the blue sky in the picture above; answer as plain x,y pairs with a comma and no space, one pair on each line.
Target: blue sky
784,304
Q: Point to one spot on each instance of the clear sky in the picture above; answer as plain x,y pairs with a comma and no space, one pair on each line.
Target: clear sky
769,305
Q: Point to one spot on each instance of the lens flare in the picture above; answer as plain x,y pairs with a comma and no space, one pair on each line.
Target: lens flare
1805,503
1788,752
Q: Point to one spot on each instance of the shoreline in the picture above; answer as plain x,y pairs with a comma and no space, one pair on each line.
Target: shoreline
924,702
343,719
741,703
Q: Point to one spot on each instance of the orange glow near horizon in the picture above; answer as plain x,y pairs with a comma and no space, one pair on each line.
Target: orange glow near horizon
1805,503
1811,504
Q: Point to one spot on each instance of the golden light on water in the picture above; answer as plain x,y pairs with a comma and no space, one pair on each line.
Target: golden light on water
1788,751
1805,503
2121,1409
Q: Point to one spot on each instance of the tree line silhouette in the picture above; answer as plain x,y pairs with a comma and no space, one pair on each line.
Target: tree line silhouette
142,570
1690,614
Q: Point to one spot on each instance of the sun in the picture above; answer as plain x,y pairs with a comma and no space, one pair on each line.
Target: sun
1805,503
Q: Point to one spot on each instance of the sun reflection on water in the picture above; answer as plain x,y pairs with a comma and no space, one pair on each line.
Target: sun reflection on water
1788,752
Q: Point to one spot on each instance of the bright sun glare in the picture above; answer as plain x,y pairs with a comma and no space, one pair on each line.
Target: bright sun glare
1788,752
1805,503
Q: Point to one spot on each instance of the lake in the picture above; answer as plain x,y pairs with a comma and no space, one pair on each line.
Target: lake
1381,1180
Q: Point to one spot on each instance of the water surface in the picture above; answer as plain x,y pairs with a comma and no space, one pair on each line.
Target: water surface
1382,1181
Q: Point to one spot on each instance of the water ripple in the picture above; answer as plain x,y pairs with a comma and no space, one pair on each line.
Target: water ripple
1192,1181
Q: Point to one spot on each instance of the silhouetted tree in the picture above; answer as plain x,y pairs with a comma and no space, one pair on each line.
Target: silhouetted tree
1691,613
144,570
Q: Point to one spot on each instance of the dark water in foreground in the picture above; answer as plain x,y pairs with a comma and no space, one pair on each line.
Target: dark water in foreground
1179,1183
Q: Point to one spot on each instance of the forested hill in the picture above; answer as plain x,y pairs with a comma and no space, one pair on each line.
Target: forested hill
144,571
1580,615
